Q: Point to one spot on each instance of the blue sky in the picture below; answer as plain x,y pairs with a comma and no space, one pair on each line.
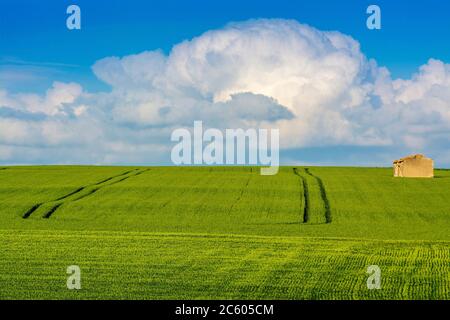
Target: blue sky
36,50
34,31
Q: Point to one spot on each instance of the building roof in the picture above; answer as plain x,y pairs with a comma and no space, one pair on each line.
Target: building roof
413,156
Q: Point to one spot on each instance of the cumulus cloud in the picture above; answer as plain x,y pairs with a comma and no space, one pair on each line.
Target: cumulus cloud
316,86
53,103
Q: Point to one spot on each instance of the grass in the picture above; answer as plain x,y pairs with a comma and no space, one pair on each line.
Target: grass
222,232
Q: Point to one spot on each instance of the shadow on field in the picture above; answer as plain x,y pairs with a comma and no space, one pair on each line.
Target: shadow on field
441,177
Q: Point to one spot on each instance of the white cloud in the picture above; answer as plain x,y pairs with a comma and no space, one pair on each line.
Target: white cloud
317,87
59,95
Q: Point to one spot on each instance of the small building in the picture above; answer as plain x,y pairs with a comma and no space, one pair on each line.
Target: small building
414,166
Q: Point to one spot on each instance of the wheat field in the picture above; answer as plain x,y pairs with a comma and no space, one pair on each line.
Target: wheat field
222,233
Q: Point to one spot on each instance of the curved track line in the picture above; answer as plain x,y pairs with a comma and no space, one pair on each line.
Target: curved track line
110,184
91,192
305,196
30,211
323,194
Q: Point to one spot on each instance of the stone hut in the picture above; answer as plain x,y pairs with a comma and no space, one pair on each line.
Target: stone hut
414,166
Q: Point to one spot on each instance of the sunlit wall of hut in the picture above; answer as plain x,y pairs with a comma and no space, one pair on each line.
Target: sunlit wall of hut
414,166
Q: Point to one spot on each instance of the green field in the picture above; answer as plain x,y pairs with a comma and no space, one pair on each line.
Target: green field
222,233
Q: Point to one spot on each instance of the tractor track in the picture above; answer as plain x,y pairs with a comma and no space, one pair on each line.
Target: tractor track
91,192
31,210
95,184
307,198
71,194
110,178
323,194
50,212
242,192
306,208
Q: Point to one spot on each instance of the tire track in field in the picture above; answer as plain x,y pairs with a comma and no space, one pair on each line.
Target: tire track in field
95,184
52,210
305,196
91,192
242,192
119,175
31,210
323,195
38,205
35,207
